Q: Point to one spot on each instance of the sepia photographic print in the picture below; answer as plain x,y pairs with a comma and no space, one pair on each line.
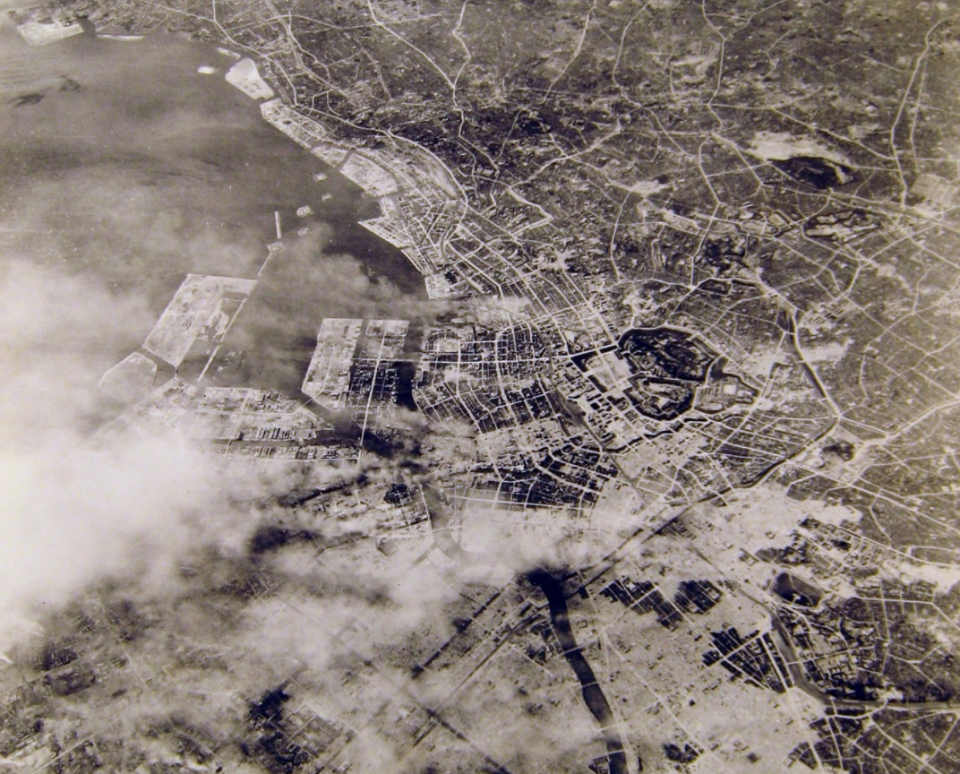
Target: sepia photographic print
480,386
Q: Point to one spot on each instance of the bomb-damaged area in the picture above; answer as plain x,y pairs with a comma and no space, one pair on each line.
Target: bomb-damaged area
700,321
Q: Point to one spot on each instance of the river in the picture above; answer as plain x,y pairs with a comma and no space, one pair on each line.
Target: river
593,695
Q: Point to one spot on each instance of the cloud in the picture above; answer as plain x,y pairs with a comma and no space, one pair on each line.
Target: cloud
72,511
56,332
148,519
76,512
73,514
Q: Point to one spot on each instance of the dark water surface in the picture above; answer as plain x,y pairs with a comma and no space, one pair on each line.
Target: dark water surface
593,696
121,163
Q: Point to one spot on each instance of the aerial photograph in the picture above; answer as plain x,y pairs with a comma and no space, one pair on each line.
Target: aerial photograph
480,386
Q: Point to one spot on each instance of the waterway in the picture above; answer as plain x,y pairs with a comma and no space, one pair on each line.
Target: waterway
123,164
593,695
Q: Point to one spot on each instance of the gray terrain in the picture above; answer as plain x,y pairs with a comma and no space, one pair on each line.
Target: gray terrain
480,386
